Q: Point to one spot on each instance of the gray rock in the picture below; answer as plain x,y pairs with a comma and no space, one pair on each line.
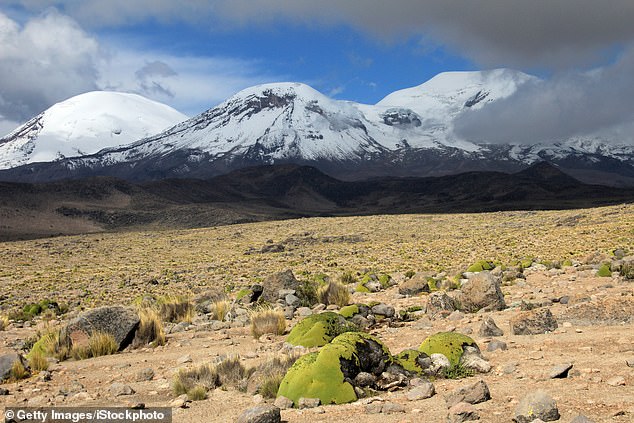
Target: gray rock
420,392
181,327
292,300
272,285
472,394
308,403
560,371
439,363
418,284
495,345
630,362
119,389
533,322
144,375
392,408
4,392
282,293
260,414
383,310
364,379
536,405
462,412
616,381
489,328
304,311
118,321
481,291
283,403
472,359
44,376
581,419
439,302
374,408
184,359
6,364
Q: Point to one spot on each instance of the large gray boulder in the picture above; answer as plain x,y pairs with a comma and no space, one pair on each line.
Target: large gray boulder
118,321
533,322
481,291
274,283
261,414
536,405
6,364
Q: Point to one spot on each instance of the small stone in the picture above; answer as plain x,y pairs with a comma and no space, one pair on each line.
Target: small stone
258,399
184,359
616,381
630,362
364,379
283,403
473,394
261,414
308,403
292,300
4,391
472,360
304,311
44,376
533,322
421,392
180,402
383,310
119,389
462,412
581,419
392,408
489,328
496,344
145,375
439,363
560,371
374,408
536,405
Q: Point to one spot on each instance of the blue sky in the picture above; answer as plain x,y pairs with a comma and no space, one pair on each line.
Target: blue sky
193,54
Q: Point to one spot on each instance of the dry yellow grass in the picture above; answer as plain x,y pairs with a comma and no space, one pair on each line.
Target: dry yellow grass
108,268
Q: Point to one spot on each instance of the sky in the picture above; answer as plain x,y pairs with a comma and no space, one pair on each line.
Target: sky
193,54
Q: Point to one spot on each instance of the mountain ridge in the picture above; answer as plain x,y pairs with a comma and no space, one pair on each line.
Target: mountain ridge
408,133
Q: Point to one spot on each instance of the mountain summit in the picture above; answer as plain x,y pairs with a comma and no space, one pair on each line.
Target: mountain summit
408,133
85,124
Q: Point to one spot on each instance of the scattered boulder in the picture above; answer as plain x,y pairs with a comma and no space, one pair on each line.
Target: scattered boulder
438,303
462,412
472,394
6,364
495,345
489,328
536,405
275,282
560,371
533,322
581,419
144,375
417,284
283,403
383,310
261,414
118,321
308,403
422,391
481,291
120,389
319,329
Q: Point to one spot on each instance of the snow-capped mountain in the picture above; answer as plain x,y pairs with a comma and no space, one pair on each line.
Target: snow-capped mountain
85,124
408,133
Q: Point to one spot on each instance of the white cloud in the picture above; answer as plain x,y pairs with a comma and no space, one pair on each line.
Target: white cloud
51,58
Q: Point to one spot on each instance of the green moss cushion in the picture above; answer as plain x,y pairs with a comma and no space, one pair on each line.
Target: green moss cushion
319,329
449,344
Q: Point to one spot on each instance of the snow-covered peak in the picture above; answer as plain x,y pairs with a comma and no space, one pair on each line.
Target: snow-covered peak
85,124
448,93
280,89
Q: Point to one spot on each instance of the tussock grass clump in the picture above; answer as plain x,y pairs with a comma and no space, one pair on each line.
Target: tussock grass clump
231,372
457,372
49,344
4,322
18,371
267,321
38,361
348,278
269,374
220,309
334,293
176,309
99,344
150,331
195,381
